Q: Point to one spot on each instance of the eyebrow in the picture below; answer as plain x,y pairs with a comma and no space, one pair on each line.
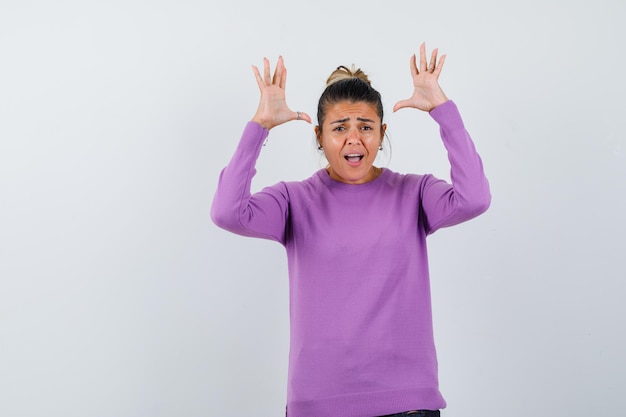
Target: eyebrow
359,119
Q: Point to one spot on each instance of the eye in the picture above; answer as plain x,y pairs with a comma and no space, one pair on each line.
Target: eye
339,129
366,127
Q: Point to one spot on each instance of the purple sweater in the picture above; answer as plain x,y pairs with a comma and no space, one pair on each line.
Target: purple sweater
361,334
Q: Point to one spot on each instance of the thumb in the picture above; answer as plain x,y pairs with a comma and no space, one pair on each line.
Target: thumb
402,104
300,115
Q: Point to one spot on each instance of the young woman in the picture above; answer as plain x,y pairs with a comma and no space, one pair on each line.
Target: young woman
361,334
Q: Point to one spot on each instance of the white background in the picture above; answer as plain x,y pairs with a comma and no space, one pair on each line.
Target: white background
119,297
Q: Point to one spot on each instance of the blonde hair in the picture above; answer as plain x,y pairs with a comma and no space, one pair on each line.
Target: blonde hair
343,73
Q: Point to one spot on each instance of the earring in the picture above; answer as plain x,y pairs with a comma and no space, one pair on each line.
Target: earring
380,148
320,147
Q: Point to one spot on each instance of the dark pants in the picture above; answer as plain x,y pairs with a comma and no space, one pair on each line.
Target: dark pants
419,413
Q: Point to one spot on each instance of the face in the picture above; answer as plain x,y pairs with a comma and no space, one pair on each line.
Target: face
350,137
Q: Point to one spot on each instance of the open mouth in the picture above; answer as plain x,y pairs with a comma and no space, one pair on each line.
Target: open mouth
354,157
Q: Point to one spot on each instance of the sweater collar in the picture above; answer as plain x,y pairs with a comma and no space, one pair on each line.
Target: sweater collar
323,175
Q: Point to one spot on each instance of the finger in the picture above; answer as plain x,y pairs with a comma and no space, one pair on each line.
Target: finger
257,75
283,81
278,72
413,65
266,71
402,104
283,78
299,115
423,57
439,66
433,60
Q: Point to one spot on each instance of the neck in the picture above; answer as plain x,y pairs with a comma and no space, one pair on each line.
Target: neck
373,173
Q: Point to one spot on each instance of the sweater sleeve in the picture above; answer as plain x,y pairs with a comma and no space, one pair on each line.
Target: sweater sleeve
234,208
468,196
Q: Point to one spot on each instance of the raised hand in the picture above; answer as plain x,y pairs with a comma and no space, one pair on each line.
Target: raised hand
427,94
273,109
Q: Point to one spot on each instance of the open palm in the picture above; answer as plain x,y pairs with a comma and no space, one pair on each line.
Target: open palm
427,94
273,109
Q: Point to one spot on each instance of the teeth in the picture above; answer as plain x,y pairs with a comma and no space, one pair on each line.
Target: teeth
354,157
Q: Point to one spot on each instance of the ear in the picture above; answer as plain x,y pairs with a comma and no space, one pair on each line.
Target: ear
318,135
383,129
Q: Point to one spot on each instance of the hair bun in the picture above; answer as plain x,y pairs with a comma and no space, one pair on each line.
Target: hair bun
343,73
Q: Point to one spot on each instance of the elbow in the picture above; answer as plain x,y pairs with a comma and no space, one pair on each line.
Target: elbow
218,218
222,217
476,204
481,204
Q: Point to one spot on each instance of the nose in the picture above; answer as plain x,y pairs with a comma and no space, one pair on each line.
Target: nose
353,137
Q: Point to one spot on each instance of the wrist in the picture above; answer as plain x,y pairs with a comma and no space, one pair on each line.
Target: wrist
438,102
264,123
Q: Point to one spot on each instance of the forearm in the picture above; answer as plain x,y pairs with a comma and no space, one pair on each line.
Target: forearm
262,214
233,189
469,194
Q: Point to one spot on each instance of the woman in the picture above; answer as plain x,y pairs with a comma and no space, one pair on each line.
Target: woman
361,336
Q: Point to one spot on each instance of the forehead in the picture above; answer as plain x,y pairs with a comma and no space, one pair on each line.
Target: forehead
351,110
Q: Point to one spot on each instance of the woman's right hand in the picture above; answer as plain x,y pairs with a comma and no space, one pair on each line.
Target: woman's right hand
273,109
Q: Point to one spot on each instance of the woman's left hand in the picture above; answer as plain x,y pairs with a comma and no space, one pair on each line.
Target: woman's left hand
427,94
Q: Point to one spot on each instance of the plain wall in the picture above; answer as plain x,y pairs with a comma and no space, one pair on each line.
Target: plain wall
119,297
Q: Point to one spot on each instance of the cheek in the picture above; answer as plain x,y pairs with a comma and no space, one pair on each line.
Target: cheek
332,143
374,145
